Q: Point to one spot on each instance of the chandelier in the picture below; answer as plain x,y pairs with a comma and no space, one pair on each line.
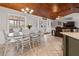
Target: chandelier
27,10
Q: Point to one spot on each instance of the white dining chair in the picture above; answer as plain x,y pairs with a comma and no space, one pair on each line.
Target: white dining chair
9,41
26,31
43,39
25,41
2,42
35,38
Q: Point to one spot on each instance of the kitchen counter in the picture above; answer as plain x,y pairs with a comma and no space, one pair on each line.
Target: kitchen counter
71,34
70,43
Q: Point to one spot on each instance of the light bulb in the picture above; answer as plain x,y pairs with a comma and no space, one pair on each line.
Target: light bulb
22,10
31,11
27,9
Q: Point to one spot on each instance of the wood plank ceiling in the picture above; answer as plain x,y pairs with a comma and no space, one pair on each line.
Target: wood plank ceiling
48,10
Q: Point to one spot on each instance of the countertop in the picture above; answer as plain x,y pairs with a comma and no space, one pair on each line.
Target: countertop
71,34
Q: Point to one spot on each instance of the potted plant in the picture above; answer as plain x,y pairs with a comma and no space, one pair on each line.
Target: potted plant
29,26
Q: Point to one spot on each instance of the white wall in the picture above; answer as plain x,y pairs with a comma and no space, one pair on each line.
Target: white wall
49,28
54,23
32,19
72,17
29,19
4,13
35,21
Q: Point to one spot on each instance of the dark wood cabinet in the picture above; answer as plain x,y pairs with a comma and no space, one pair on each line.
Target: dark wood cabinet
64,29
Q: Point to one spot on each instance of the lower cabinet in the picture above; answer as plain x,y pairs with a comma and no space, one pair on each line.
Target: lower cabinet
71,46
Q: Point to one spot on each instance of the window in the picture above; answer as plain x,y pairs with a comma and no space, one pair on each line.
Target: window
16,22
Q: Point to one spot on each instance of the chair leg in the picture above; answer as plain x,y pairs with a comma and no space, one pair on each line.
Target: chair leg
30,45
38,42
33,44
22,48
17,46
5,50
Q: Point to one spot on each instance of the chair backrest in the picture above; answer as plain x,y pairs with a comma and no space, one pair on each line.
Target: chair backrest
2,37
25,31
16,30
11,30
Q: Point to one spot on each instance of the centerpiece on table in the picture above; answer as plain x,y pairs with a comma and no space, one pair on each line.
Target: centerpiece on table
29,26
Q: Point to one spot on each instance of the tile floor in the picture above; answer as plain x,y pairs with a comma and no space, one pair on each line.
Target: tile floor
53,48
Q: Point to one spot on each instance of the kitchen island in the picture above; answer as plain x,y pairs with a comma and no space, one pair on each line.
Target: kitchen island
70,43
